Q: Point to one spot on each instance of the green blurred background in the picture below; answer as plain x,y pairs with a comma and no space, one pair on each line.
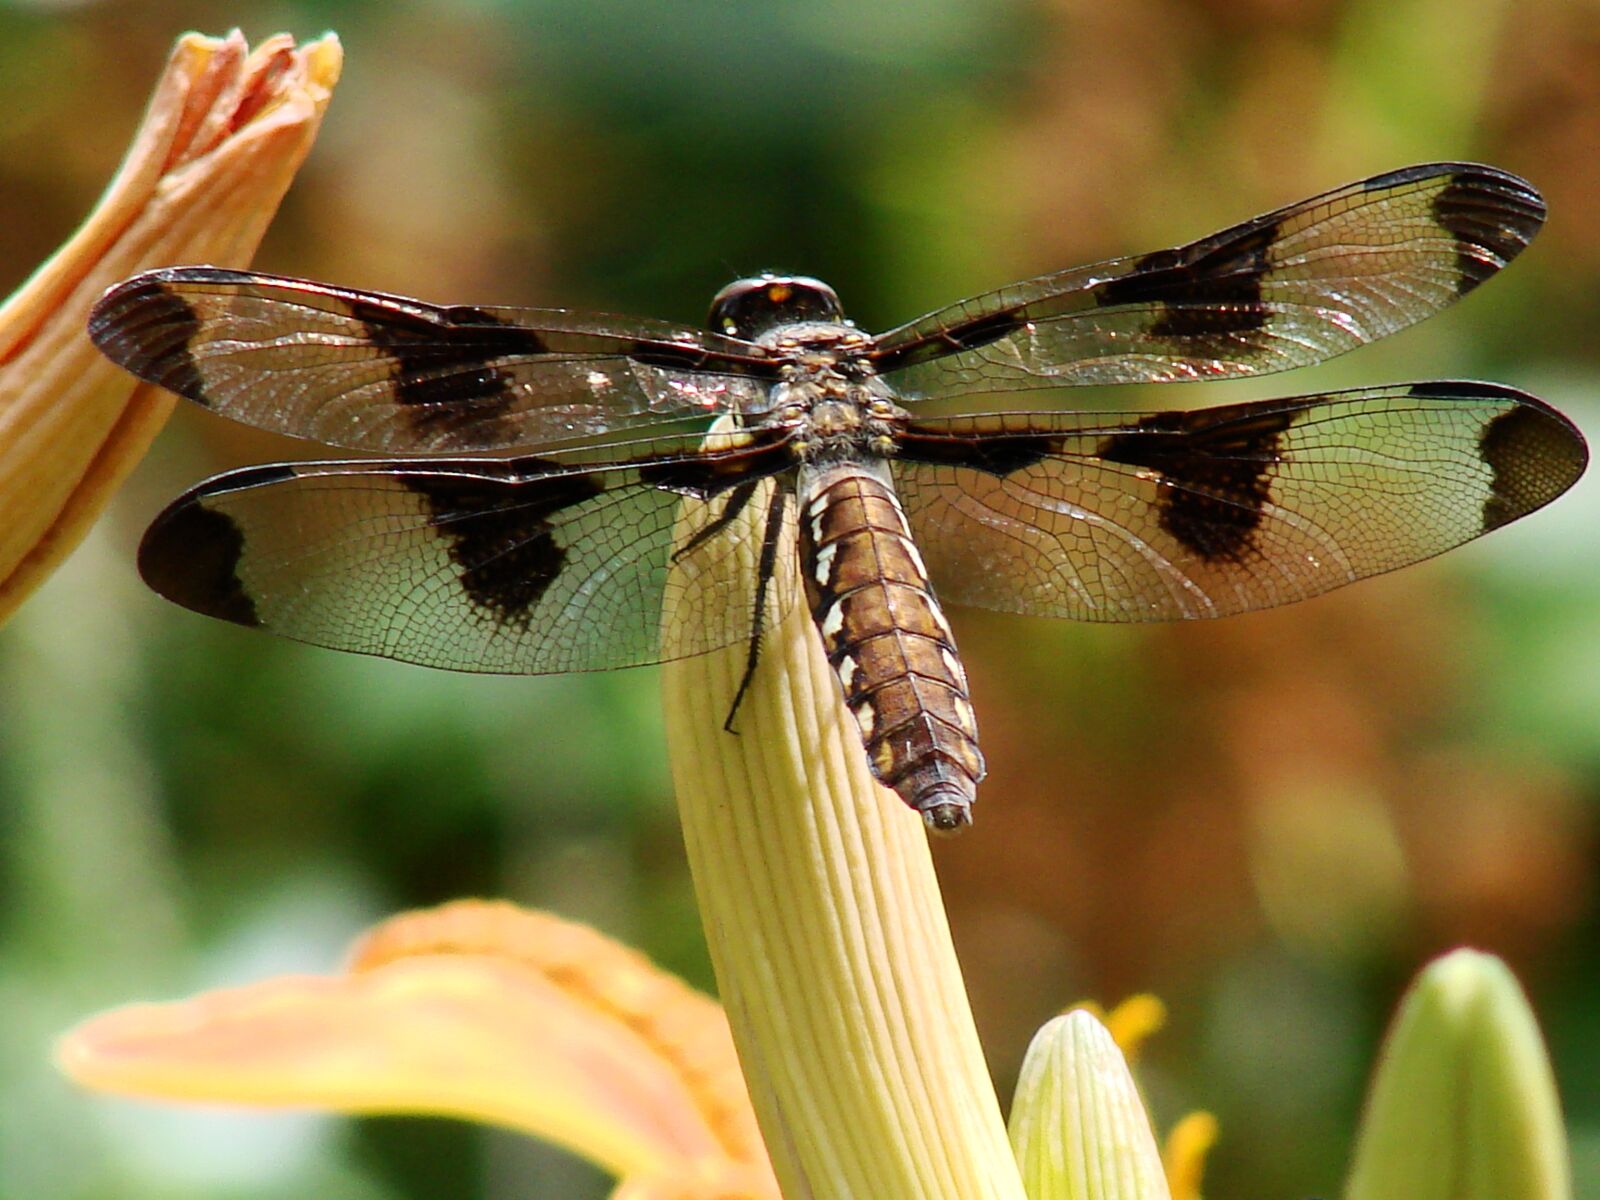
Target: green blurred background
1270,821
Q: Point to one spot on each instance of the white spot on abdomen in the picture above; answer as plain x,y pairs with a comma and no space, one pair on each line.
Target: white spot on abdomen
825,558
832,622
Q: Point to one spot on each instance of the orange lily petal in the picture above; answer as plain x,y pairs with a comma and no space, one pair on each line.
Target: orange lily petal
453,1013
224,134
684,1028
711,1181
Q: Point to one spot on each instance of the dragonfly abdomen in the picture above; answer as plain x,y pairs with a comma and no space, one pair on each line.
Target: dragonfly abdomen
888,640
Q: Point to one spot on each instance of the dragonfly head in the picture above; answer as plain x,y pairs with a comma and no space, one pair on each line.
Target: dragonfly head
747,308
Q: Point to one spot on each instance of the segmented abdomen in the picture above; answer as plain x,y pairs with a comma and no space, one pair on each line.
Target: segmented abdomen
888,640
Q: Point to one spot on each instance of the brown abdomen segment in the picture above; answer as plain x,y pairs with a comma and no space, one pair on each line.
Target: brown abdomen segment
888,641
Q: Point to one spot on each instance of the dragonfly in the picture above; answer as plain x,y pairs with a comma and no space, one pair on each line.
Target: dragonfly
539,482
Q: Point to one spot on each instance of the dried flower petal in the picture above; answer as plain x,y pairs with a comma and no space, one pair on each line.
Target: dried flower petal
224,134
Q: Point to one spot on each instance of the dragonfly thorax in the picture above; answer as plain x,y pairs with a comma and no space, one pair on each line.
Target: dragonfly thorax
840,420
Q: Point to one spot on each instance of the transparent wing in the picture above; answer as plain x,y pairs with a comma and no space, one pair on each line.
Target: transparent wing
1221,510
1287,289
517,566
369,371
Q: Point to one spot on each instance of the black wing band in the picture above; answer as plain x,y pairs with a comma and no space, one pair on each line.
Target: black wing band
1286,289
370,371
521,566
1221,510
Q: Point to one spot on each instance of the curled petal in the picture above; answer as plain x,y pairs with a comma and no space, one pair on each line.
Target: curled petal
685,1030
460,1030
224,134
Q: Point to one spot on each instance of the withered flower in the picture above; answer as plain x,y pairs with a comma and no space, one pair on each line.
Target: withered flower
223,136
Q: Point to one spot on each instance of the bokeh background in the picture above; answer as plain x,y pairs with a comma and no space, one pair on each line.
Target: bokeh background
1270,821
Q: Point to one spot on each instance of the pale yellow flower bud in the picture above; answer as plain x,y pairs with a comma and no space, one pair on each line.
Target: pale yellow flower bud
1078,1126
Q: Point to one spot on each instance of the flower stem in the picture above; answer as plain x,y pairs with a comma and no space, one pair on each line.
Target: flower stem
826,927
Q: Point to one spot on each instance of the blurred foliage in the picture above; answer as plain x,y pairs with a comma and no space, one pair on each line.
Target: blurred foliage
1269,821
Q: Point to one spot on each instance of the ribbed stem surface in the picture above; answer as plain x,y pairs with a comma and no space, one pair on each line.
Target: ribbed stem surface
827,932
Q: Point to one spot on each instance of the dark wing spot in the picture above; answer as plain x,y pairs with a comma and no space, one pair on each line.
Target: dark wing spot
145,327
500,534
994,454
967,335
691,476
687,356
1207,289
191,553
445,372
471,314
705,475
1492,216
983,331
1533,458
527,467
1214,476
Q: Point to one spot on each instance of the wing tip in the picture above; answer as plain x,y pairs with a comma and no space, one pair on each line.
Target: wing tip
1534,451
1478,389
190,555
1534,454
1491,213
147,328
